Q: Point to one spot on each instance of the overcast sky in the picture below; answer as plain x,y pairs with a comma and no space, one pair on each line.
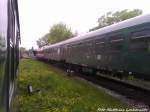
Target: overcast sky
37,16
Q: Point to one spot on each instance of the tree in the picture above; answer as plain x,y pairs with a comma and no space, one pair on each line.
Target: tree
57,33
43,41
111,18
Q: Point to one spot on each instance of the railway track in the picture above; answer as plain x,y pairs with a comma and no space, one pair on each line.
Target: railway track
130,91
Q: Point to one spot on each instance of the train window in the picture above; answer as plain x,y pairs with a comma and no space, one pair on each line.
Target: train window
139,44
100,45
115,43
49,50
78,44
89,44
140,40
88,47
115,47
100,41
116,38
140,34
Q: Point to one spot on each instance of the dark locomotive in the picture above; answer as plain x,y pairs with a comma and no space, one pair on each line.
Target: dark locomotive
9,52
121,48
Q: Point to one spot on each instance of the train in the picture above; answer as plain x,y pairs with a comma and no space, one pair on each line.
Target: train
121,48
9,53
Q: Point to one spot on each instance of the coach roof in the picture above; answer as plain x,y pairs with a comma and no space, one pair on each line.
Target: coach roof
117,26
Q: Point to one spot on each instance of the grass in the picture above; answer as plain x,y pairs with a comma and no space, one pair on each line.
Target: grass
58,92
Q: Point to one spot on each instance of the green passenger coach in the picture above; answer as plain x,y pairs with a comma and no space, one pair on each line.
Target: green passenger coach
122,48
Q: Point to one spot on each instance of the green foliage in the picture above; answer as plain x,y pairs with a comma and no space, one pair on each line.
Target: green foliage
43,41
57,33
111,18
59,93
